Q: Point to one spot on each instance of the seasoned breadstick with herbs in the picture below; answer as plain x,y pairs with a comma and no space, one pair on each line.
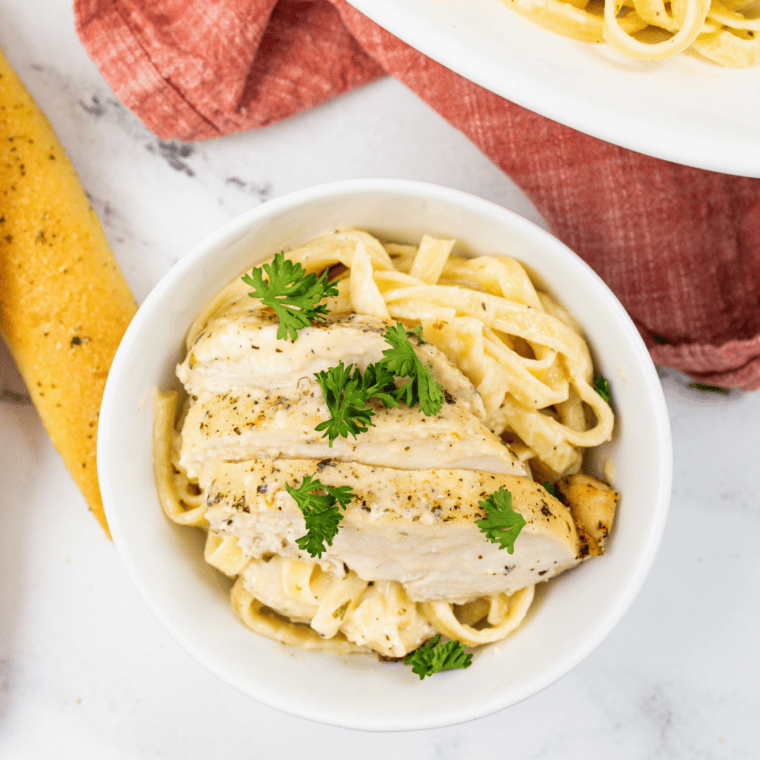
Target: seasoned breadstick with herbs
64,304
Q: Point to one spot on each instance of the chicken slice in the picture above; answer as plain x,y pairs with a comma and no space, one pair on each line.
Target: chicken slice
592,504
416,527
241,351
253,424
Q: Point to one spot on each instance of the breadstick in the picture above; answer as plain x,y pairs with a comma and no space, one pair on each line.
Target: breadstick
64,304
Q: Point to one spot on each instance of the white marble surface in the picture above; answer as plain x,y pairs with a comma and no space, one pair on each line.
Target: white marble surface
86,672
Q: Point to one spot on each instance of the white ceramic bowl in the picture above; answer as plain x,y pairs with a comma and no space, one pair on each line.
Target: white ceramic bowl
573,613
684,109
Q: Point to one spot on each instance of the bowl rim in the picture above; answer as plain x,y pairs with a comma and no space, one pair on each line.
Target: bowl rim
275,207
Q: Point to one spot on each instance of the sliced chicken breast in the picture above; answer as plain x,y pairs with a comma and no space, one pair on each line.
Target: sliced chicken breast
412,526
240,351
237,426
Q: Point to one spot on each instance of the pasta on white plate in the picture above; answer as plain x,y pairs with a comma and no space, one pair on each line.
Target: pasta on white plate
725,32
409,556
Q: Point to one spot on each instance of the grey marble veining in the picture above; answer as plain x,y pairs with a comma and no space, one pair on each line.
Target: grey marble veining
85,670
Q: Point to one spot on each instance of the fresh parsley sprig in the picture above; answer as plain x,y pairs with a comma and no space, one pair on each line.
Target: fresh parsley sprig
402,361
433,657
602,387
502,525
348,390
322,508
294,295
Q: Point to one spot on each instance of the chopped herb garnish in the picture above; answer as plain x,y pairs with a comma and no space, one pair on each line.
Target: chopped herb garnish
433,657
348,391
321,507
552,489
602,387
402,361
710,388
294,295
502,525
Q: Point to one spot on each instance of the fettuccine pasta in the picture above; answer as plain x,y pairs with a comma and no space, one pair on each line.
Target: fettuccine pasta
532,376
649,30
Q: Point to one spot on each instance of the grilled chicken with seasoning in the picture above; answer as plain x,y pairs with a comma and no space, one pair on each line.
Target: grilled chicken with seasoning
239,351
256,396
412,526
592,504
281,423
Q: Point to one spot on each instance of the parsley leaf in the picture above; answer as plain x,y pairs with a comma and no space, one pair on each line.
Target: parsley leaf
294,295
348,391
342,388
433,657
551,488
602,387
709,388
321,512
402,361
502,525
380,384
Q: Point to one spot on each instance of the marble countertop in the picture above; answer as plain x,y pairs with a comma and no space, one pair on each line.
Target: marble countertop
85,670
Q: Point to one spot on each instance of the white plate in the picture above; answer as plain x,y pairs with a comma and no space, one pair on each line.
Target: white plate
572,614
685,109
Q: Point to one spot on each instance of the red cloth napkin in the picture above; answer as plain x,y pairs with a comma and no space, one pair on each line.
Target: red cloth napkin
679,246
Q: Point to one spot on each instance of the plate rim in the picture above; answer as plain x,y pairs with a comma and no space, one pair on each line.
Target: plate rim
701,150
